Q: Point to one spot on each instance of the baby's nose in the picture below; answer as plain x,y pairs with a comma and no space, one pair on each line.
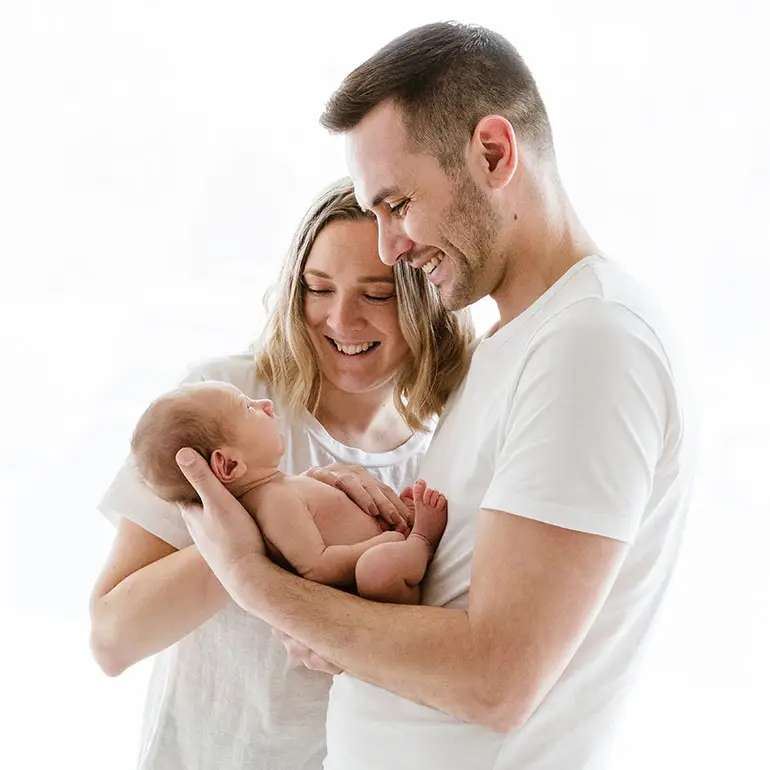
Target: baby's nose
265,404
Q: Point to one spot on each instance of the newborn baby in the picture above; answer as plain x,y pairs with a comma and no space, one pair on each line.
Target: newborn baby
309,526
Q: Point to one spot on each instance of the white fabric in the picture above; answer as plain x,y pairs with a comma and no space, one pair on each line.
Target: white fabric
227,697
573,414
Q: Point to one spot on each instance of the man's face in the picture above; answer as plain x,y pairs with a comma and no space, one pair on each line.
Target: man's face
437,222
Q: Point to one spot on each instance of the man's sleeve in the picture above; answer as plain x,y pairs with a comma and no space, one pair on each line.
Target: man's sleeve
586,423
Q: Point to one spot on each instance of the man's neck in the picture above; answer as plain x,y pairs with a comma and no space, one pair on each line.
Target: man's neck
546,239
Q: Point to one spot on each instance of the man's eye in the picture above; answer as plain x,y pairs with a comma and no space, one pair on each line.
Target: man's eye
399,209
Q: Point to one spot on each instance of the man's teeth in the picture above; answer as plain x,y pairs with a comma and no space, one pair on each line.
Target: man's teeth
352,350
429,267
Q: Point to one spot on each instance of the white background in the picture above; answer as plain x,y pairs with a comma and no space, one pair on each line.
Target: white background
154,160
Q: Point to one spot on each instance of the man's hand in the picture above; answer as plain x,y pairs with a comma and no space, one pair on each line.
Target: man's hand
367,492
222,529
305,655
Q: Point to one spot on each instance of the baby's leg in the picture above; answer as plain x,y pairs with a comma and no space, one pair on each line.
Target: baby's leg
391,572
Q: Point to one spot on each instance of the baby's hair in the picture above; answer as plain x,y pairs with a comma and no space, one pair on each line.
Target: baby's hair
177,419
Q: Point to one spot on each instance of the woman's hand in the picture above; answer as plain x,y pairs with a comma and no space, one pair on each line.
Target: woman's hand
222,528
305,655
367,492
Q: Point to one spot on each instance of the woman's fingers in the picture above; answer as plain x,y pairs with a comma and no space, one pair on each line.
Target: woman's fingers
389,507
395,500
305,655
346,481
367,492
316,663
360,494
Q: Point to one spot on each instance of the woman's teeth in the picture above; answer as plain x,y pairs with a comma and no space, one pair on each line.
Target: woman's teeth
429,267
352,350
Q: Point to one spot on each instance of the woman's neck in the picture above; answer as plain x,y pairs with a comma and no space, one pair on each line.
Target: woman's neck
367,421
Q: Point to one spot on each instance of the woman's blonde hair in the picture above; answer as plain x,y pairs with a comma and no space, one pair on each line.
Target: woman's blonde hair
437,339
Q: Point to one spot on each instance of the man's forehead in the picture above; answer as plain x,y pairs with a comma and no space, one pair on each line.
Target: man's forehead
376,151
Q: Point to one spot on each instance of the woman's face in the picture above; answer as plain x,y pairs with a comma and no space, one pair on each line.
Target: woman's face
351,311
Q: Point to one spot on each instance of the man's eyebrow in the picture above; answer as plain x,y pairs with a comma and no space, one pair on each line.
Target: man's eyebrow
379,198
363,279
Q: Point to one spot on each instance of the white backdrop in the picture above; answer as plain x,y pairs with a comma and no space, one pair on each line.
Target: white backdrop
154,160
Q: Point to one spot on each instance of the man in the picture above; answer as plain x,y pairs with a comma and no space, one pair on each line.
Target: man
566,455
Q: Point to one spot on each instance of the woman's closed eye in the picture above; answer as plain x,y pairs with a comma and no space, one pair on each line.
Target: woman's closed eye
317,292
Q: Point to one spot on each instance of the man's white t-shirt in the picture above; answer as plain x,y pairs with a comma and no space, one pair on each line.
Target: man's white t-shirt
573,414
227,696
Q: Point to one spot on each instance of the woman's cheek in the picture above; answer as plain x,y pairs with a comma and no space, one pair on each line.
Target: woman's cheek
312,312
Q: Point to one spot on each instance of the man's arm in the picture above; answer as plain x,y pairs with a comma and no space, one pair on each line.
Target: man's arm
536,590
584,435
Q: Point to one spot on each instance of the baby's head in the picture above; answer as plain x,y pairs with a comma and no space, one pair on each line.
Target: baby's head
238,436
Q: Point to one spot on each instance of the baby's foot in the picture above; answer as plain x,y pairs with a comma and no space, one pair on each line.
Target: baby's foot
430,514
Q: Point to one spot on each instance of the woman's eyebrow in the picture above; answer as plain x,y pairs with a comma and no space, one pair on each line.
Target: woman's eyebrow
363,279
377,279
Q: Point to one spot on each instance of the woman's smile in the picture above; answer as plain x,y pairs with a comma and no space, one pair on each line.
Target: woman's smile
353,349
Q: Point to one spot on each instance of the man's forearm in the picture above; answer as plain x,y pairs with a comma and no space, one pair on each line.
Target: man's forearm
425,654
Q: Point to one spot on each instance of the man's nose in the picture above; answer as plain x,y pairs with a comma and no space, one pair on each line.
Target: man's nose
393,243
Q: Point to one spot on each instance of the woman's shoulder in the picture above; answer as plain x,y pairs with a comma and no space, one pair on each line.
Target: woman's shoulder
239,369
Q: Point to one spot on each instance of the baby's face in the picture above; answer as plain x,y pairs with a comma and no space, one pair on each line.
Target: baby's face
252,420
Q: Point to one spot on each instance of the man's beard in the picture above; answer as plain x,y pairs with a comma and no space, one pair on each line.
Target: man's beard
470,243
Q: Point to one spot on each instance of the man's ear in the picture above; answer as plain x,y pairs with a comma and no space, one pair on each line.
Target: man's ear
494,151
227,464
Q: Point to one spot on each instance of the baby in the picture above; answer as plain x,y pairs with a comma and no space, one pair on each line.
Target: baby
308,526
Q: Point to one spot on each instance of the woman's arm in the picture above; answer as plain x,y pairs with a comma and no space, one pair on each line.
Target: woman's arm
148,596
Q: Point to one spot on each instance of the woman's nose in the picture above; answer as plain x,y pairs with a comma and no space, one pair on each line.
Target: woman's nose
346,315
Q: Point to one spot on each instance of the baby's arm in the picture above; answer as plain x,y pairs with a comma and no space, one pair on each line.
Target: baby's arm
286,521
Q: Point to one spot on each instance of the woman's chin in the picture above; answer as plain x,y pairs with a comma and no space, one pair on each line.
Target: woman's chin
357,385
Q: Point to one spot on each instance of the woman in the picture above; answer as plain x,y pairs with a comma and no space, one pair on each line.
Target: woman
359,358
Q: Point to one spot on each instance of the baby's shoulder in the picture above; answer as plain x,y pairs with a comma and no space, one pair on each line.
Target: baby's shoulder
283,493
313,494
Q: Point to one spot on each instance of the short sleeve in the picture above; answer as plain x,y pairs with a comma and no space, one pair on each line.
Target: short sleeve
130,498
586,423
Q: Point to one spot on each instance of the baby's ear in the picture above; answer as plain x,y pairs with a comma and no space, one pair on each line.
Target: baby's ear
227,464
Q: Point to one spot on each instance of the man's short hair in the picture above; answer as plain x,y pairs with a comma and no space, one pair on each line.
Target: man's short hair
445,77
